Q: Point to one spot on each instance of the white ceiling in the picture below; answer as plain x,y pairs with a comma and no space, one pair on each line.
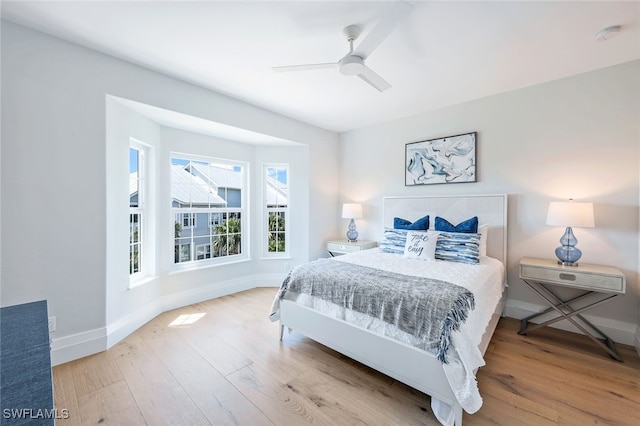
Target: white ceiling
444,53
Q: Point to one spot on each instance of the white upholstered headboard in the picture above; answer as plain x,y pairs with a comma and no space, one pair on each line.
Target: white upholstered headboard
490,209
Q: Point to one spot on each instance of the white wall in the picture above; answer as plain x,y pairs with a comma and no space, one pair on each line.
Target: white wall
55,189
577,137
128,308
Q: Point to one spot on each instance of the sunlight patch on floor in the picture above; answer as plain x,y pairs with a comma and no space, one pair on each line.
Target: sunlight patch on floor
186,319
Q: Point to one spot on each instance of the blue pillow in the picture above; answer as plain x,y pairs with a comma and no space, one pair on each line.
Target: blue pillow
463,247
421,224
393,241
467,226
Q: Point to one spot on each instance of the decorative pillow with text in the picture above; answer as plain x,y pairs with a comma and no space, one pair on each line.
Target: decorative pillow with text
421,245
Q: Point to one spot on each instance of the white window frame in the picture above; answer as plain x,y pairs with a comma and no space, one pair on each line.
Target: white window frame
267,210
195,263
146,195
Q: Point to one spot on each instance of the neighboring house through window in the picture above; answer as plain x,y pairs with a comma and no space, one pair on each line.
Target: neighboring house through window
276,196
208,207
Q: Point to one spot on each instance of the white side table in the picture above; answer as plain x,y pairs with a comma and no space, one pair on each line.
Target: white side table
338,247
605,282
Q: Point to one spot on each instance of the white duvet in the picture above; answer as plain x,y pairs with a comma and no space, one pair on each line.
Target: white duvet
485,280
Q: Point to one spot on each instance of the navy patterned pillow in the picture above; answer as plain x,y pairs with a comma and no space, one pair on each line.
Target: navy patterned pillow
393,241
469,225
458,247
421,224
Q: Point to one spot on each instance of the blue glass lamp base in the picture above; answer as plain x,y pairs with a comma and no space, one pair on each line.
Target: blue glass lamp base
568,254
352,234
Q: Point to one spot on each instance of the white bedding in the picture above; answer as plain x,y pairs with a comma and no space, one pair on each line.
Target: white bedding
484,280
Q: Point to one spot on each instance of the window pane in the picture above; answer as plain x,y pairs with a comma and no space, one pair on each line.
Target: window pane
276,186
276,234
183,250
134,259
134,228
203,251
135,243
234,243
134,177
200,222
215,189
234,223
276,199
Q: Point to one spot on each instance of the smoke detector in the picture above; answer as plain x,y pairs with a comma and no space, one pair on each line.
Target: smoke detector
607,33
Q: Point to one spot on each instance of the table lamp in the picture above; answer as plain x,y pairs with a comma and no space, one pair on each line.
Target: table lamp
569,214
352,211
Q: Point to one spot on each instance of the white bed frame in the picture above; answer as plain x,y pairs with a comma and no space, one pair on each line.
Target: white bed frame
418,369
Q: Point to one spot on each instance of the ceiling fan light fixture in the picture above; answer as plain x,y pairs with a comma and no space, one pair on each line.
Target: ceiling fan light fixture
353,62
351,65
607,33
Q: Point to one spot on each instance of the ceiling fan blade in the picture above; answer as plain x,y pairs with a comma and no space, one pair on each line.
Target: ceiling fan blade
399,11
374,79
306,67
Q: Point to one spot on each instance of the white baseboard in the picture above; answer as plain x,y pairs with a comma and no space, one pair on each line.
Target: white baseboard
619,331
75,346
69,348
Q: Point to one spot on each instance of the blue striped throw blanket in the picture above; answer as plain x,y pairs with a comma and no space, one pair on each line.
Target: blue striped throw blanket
426,308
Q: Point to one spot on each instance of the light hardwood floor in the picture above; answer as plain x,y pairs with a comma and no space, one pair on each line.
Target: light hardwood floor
228,367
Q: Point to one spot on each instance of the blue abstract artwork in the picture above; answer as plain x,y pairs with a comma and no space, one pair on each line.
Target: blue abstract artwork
446,160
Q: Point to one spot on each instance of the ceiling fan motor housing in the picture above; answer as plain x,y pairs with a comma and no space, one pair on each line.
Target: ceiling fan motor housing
351,65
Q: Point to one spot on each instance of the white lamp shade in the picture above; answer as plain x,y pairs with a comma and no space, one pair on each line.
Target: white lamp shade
352,210
579,215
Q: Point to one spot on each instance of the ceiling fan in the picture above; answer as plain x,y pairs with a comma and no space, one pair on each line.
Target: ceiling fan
353,62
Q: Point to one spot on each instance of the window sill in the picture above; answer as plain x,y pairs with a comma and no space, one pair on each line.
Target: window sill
138,282
187,268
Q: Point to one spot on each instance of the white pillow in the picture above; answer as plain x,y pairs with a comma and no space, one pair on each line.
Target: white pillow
421,245
483,230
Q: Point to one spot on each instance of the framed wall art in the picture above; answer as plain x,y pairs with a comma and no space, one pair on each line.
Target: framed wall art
446,160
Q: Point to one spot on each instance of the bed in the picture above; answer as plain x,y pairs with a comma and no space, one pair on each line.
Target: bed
451,384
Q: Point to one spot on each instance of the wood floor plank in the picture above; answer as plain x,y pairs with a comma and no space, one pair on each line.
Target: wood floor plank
359,403
64,397
579,385
160,398
330,397
501,398
365,384
110,405
174,319
263,347
279,401
229,367
218,399
569,382
95,372
224,358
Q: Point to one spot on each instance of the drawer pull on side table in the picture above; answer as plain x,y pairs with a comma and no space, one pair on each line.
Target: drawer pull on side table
339,247
605,282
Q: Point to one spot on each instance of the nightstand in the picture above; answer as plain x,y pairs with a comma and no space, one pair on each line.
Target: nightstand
598,284
338,247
